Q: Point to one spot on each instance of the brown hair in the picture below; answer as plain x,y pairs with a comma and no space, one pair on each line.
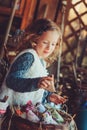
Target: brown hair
36,29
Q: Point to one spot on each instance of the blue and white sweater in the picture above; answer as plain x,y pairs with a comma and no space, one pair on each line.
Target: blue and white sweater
20,84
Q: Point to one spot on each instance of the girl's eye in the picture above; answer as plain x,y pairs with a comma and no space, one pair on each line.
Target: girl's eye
53,44
45,42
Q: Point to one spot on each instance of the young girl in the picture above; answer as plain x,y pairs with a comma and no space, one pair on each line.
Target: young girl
27,78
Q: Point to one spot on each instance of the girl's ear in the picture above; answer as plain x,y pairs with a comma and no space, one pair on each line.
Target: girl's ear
33,44
32,37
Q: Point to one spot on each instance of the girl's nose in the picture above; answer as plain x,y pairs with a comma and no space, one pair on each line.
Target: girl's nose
49,46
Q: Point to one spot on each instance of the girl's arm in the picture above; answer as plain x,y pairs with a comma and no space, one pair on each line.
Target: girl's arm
15,79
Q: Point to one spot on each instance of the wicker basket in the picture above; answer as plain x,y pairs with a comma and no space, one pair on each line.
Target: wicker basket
14,122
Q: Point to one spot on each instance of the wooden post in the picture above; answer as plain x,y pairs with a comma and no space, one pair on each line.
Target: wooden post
8,29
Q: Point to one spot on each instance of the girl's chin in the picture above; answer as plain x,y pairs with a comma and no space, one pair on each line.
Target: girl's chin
45,56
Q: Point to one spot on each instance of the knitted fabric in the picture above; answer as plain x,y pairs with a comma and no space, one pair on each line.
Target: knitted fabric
22,78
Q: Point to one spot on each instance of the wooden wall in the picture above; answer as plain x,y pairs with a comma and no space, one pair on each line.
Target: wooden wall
74,25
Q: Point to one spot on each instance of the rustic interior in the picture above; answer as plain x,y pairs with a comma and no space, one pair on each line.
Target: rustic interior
71,16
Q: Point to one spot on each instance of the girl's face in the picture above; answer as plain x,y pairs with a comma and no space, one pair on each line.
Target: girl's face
46,43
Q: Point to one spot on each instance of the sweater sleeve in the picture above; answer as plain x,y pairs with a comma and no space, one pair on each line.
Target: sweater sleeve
15,79
46,97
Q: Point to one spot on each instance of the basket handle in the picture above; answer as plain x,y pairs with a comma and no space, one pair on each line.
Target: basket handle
64,106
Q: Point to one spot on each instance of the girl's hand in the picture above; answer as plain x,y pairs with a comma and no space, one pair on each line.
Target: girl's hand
57,99
47,83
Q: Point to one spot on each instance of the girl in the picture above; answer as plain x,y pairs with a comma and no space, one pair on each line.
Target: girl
27,78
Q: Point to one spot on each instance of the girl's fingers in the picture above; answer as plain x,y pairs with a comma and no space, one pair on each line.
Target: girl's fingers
47,83
57,99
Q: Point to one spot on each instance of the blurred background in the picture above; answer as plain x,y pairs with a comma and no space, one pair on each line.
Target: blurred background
70,66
